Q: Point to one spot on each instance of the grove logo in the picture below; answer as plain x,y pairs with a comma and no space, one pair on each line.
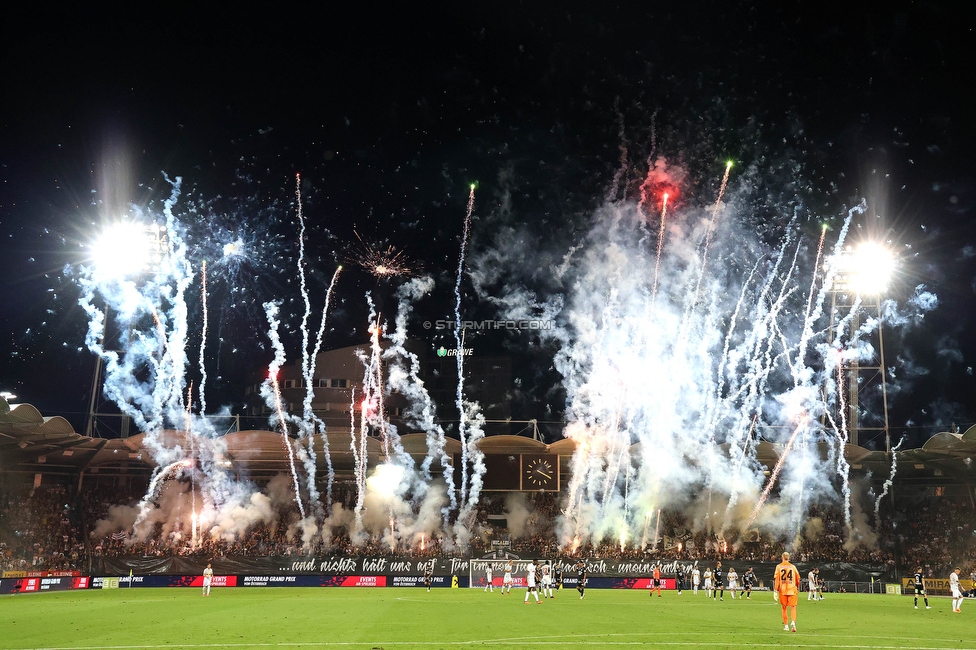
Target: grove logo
463,352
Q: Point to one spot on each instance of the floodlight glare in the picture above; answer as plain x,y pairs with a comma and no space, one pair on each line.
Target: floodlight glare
386,480
870,267
122,250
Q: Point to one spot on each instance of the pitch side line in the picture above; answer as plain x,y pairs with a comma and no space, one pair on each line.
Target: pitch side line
505,642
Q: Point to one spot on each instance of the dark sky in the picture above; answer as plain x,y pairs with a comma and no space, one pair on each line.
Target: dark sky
389,115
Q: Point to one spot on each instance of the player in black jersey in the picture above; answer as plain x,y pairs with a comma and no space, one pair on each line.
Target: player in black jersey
581,578
680,579
747,581
429,575
719,578
559,576
920,588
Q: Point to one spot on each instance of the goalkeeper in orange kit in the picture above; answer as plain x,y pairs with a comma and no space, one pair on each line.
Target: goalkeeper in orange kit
787,585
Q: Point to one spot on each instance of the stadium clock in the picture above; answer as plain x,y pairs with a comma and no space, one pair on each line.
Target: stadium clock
540,473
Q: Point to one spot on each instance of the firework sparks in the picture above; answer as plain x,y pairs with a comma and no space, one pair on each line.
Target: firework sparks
381,263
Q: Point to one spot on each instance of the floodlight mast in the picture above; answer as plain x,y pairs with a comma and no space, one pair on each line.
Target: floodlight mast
123,250
862,278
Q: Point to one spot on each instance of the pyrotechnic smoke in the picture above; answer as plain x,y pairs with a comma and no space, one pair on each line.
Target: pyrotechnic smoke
396,501
271,392
404,378
674,376
677,356
152,313
520,517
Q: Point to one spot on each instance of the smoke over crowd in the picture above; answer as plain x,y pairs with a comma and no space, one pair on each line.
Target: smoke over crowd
686,333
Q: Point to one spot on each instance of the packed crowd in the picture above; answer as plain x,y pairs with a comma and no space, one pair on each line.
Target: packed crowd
49,528
40,530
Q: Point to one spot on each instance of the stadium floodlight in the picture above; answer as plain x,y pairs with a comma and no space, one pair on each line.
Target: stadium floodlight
864,271
867,269
125,249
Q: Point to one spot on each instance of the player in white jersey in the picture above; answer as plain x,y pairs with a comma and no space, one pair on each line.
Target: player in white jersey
708,582
812,585
695,578
507,578
207,579
956,591
733,581
546,581
488,586
530,581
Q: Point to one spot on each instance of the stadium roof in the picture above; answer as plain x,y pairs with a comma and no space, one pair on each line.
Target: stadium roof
31,443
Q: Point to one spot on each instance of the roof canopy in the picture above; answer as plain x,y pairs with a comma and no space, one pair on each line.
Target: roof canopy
31,443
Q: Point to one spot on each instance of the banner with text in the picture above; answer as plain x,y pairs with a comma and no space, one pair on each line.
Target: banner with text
407,567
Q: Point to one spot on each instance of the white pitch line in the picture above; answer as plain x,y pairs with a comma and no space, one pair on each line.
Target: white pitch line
513,642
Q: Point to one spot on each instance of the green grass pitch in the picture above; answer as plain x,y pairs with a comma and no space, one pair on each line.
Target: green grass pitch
404,618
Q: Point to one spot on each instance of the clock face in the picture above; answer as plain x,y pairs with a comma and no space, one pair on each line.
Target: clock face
540,472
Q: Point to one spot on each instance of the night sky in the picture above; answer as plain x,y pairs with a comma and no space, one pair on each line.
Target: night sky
389,116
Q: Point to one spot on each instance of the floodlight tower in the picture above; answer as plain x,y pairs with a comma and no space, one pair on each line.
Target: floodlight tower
124,250
863,274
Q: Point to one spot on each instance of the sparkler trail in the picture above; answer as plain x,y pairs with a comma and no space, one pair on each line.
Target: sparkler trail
363,458
660,249
374,407
722,187
271,391
657,530
816,267
359,462
306,428
890,480
842,438
310,393
460,348
775,474
405,379
710,229
303,287
203,340
721,380
193,495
